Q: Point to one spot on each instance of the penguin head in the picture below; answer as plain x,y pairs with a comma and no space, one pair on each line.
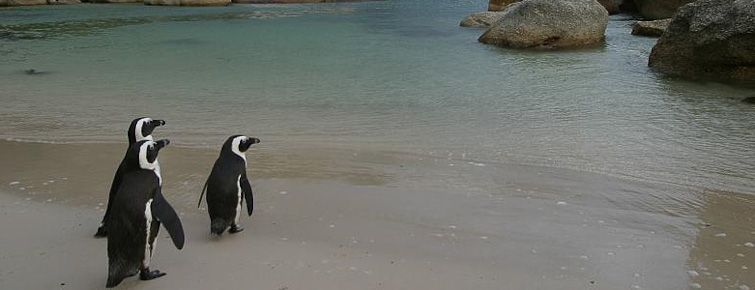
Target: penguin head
240,143
146,153
141,129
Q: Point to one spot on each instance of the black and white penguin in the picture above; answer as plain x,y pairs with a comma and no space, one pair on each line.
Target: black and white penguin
139,130
137,211
228,186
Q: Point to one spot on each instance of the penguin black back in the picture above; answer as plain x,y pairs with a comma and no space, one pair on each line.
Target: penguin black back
140,129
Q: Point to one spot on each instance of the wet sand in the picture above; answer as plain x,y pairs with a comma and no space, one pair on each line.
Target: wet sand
330,218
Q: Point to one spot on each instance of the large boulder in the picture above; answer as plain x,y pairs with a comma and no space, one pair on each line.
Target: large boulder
499,5
650,28
659,9
549,24
612,6
188,2
481,19
709,39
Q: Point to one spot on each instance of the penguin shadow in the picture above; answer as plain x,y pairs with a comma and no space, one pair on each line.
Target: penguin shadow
225,237
202,235
213,238
129,283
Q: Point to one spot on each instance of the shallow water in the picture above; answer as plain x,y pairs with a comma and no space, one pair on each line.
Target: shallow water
396,76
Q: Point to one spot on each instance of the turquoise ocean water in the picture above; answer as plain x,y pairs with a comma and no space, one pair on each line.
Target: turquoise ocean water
398,76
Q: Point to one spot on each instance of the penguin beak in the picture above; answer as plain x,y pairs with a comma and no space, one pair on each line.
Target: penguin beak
254,140
158,123
160,144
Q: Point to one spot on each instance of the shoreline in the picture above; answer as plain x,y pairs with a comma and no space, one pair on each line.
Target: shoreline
381,228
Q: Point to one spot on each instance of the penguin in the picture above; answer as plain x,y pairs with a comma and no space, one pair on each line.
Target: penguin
140,129
137,211
227,186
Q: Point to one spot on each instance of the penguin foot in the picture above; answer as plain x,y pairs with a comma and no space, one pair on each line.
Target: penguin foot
235,229
146,274
101,232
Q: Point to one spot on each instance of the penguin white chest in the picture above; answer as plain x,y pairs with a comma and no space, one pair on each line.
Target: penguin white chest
238,203
147,229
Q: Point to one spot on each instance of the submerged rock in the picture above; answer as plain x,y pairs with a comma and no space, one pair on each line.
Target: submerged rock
650,28
659,9
549,24
188,2
499,5
34,72
709,39
481,19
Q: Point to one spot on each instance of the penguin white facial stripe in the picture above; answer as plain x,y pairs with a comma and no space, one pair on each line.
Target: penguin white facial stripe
235,146
143,161
138,130
145,164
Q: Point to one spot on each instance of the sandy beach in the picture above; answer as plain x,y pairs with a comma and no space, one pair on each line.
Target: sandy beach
382,226
398,150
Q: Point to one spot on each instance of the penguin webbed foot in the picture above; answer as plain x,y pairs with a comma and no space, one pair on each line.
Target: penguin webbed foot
148,274
235,229
101,232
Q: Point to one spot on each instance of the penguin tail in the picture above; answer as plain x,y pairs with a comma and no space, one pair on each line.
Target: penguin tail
113,281
116,274
202,194
218,226
114,278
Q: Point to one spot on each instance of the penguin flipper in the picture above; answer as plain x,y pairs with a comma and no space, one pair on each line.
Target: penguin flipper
246,189
166,215
204,189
